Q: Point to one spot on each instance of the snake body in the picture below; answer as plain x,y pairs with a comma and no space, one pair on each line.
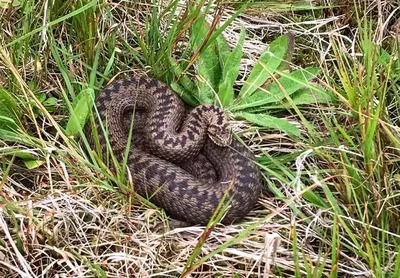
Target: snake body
174,152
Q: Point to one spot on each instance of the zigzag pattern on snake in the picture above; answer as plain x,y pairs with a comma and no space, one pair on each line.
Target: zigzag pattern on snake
177,158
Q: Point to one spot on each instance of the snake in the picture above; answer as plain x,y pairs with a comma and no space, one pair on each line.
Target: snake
185,161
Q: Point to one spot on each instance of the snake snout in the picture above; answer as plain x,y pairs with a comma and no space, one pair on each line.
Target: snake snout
221,135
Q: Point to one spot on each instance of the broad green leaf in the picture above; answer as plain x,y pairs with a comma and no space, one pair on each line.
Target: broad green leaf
9,133
50,101
308,96
288,84
270,122
223,49
7,124
187,97
24,154
268,62
9,111
81,106
50,104
186,88
32,164
384,57
230,72
208,67
41,97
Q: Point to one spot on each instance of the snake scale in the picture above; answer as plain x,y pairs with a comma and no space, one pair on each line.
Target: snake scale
183,161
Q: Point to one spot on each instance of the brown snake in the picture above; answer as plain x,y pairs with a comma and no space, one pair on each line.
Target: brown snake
174,152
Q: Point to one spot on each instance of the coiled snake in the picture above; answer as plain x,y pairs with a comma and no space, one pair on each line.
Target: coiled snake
182,161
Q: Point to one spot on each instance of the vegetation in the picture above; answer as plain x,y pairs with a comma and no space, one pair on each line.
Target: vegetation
321,115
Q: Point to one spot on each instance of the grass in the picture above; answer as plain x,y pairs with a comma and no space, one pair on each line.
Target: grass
323,122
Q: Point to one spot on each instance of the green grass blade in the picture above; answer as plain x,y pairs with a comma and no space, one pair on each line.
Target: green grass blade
63,70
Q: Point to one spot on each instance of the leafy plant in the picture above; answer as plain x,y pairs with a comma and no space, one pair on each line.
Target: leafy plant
217,69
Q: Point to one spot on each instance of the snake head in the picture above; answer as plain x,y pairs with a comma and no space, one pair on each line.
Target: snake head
221,135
